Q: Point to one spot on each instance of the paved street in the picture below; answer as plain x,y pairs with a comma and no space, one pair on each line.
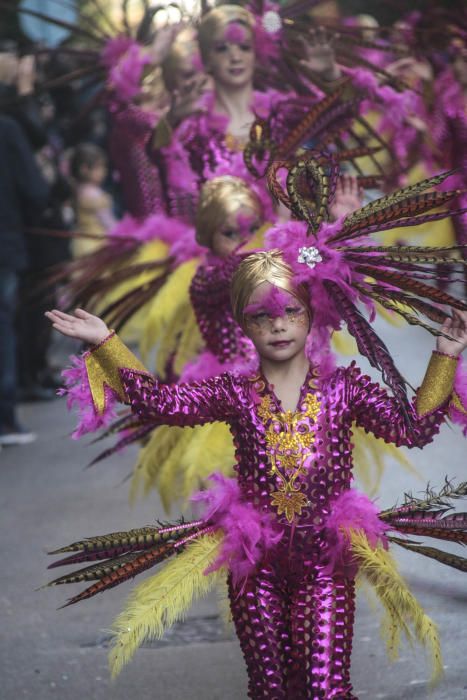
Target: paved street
48,499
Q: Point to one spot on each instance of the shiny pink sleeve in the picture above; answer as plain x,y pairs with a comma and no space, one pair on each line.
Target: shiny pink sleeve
373,409
215,399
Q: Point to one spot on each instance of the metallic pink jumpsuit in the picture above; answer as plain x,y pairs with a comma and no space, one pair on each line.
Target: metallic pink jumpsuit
294,620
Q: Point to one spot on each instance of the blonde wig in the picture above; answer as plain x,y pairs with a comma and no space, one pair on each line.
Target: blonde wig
184,47
266,266
217,19
220,198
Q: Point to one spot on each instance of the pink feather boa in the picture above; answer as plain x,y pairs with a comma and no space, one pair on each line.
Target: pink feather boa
207,365
460,387
125,60
352,510
179,236
248,533
78,396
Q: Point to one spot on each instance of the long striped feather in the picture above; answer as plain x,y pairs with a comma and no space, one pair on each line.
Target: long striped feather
439,533
357,152
401,195
310,169
371,346
274,186
434,313
135,436
106,546
377,137
118,313
392,259
407,249
398,208
412,285
143,562
408,317
397,223
96,571
452,560
127,421
300,132
438,519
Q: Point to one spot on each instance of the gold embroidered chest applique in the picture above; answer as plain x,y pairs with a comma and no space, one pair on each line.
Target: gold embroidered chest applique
289,437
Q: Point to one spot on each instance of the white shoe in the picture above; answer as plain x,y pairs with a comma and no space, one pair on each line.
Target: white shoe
14,435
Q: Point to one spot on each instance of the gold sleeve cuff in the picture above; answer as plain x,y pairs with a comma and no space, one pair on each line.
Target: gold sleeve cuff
103,363
437,384
162,135
457,404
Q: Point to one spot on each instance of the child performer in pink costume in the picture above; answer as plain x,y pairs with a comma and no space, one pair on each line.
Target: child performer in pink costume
292,600
293,533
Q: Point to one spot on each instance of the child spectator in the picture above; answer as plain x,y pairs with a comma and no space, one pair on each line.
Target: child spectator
94,213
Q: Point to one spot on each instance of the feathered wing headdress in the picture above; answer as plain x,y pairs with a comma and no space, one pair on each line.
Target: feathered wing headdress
344,267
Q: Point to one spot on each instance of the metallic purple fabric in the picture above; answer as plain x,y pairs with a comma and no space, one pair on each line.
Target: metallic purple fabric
295,630
294,623
210,298
140,179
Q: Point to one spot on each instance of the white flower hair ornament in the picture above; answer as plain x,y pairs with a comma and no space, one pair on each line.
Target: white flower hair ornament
309,256
271,22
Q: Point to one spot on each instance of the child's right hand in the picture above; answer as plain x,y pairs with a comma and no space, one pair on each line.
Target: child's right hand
80,325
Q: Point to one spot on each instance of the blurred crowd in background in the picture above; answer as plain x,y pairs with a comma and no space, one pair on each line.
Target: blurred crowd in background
58,174
50,161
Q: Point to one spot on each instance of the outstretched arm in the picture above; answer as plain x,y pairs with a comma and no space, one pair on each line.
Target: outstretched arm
111,365
374,410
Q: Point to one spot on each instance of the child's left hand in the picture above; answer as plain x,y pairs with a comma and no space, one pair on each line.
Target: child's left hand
456,327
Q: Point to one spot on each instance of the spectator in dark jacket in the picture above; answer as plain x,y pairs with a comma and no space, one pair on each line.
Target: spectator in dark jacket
17,97
23,192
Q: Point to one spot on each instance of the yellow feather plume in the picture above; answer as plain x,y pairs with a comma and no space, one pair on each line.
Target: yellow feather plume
168,307
188,343
149,252
369,454
403,613
152,458
161,600
177,461
210,450
170,477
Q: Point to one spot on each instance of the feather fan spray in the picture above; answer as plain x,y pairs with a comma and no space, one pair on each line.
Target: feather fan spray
157,603
403,612
343,267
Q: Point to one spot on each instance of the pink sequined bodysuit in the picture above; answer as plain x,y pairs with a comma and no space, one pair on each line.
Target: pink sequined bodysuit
293,619
140,179
201,145
210,298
